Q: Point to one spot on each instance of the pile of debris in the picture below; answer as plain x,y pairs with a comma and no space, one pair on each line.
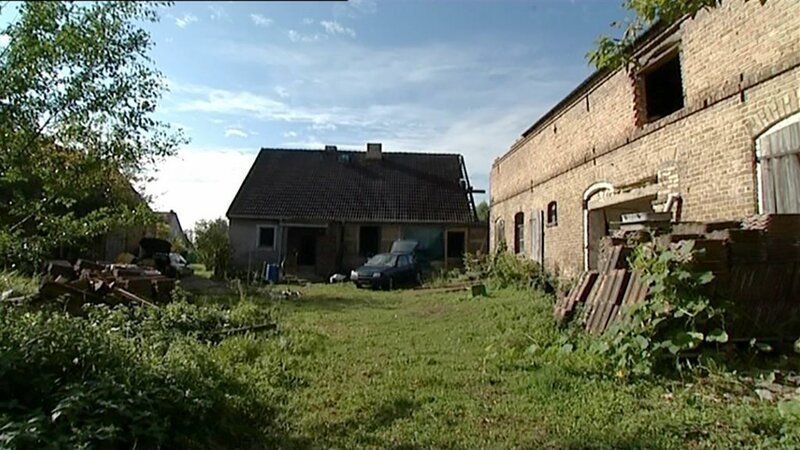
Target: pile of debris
755,263
96,282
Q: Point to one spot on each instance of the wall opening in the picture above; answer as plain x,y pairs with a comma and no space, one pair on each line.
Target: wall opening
519,232
663,87
594,223
456,242
369,241
552,214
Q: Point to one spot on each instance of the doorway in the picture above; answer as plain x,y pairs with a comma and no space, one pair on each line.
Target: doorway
302,245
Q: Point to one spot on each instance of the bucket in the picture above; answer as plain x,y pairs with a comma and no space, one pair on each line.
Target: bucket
272,274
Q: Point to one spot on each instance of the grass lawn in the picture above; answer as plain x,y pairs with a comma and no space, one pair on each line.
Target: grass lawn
404,370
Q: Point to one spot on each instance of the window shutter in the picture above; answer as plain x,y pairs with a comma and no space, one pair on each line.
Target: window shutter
537,236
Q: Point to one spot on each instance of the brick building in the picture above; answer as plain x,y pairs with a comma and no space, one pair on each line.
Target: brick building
707,129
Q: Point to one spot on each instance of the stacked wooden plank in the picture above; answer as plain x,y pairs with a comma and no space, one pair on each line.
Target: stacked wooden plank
756,267
96,282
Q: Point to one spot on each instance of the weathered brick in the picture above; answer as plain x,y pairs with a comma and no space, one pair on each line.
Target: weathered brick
710,142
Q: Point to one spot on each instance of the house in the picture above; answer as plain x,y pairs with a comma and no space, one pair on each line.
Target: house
707,128
326,211
174,233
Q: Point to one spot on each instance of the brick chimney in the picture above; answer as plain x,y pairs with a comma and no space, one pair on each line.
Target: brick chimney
374,151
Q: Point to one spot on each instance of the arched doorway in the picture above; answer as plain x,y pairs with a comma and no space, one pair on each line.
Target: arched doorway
594,225
778,167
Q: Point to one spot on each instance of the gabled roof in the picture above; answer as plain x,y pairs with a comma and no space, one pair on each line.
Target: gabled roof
346,186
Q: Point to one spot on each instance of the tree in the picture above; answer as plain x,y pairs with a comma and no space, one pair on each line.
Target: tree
213,245
612,53
483,211
77,95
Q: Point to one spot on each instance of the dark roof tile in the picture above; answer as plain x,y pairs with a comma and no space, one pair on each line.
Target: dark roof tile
344,185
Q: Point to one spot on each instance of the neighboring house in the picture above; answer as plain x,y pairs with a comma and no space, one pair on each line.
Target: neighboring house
175,233
707,129
326,211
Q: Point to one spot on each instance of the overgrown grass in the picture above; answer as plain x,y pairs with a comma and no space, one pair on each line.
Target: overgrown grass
405,370
349,368
20,284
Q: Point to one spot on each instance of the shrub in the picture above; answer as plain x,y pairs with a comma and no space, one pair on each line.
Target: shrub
675,317
131,378
504,269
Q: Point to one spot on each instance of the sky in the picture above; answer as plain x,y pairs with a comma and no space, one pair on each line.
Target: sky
446,76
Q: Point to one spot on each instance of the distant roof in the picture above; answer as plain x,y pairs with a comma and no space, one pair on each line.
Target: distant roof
344,185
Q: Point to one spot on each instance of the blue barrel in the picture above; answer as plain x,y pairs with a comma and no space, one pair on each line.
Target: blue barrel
273,273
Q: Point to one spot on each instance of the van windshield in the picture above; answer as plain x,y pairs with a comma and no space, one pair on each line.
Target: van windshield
382,260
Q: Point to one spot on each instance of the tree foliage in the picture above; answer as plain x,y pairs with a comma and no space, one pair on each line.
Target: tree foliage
612,53
213,245
482,211
77,94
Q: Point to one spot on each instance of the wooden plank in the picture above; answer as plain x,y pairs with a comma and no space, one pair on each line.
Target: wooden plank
591,299
565,306
131,297
613,295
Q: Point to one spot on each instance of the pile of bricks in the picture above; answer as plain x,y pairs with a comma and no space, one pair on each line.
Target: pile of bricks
94,282
756,267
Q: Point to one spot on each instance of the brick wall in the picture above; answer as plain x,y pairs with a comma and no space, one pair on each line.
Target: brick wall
740,65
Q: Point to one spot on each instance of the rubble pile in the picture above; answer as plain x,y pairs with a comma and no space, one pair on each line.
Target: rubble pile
96,282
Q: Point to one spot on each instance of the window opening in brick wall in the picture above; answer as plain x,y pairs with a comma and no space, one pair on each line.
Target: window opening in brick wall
663,88
552,214
519,232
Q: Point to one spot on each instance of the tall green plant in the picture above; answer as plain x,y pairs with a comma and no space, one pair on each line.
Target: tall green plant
213,245
78,94
674,318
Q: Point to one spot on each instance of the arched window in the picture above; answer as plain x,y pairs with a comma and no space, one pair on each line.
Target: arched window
778,168
552,214
519,232
499,234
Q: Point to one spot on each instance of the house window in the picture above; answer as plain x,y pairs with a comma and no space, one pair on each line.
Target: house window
500,234
519,232
663,87
266,237
552,214
369,240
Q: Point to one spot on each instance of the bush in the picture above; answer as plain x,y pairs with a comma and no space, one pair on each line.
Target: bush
503,269
675,317
134,378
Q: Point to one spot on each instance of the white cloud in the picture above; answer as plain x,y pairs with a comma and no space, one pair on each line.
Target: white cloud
260,20
290,134
217,12
185,20
323,127
308,21
333,28
200,183
236,132
296,36
281,91
4,40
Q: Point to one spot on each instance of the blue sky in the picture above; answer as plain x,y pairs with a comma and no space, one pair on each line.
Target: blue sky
464,76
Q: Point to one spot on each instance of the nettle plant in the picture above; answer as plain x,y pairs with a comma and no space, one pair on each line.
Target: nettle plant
675,318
